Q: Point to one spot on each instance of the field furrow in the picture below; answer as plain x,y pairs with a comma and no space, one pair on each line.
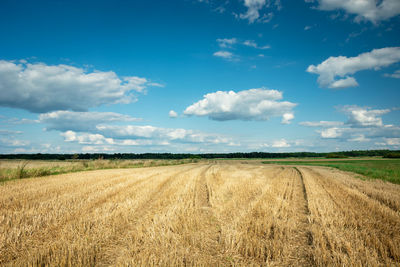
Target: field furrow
348,227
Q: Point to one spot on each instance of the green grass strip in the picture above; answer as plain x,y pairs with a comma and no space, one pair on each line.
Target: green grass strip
387,170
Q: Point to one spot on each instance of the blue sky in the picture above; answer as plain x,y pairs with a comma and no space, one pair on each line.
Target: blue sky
199,76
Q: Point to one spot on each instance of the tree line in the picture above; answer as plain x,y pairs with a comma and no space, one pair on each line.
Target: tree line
250,155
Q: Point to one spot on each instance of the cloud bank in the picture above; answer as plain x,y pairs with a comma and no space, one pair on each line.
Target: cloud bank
39,88
109,128
81,121
363,124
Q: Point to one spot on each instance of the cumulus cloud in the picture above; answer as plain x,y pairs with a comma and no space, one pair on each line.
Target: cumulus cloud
359,138
344,83
252,43
172,114
86,138
253,9
364,117
11,142
321,123
81,121
111,129
97,149
223,54
395,74
370,10
287,117
333,132
9,132
352,134
157,133
342,66
389,142
38,87
226,42
98,141
280,143
254,104
363,125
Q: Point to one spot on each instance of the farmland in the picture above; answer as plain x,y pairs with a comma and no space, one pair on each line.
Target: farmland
19,169
372,168
209,213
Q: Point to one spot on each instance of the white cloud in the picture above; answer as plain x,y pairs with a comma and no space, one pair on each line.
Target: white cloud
252,43
11,142
371,10
253,104
97,149
391,141
172,114
344,83
86,138
364,117
141,142
223,54
395,75
81,121
321,123
38,87
333,132
287,117
280,143
266,17
253,9
99,128
306,28
9,132
156,133
226,42
359,138
362,133
342,66
363,125
95,140
19,121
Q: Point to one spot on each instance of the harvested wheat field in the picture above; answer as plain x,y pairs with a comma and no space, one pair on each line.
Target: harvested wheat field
206,214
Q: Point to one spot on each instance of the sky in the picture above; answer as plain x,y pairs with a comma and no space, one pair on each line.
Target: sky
199,76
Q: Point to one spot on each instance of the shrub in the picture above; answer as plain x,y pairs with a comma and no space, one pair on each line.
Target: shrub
21,170
335,156
392,155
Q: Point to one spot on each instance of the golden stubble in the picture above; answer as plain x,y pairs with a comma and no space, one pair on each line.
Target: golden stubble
205,214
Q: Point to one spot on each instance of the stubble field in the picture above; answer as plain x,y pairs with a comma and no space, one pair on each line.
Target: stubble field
213,214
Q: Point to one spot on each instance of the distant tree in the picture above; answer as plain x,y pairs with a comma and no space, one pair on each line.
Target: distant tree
392,155
335,156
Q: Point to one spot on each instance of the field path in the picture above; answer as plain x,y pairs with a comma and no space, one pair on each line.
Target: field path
224,213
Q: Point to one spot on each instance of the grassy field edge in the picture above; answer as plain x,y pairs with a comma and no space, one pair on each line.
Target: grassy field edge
24,170
386,170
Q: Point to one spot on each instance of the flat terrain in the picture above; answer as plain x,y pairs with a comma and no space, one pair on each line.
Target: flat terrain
19,169
224,213
372,168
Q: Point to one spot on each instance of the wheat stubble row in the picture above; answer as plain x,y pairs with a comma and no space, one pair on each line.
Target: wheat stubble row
200,214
